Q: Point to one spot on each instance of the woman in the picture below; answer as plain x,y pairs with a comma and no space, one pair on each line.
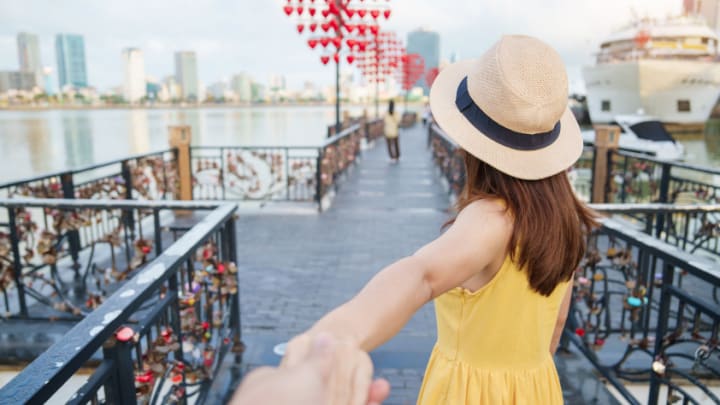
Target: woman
391,133
501,274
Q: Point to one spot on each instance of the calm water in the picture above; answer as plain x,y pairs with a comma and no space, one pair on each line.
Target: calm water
38,142
43,141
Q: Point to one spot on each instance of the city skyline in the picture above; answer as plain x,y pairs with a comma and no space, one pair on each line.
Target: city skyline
225,47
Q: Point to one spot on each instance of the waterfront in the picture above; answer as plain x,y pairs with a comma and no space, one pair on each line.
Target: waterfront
37,142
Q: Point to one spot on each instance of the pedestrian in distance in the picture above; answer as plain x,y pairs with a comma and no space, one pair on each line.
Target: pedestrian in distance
501,273
392,133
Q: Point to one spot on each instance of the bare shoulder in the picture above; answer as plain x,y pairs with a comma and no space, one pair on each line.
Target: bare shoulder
492,214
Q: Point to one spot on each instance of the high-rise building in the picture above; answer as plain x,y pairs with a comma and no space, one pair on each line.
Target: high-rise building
134,88
16,80
29,55
70,51
425,43
186,74
242,86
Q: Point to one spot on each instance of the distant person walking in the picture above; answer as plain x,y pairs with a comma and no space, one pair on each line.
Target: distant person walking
391,133
427,115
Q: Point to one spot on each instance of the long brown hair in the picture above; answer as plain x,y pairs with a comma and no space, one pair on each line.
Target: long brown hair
550,224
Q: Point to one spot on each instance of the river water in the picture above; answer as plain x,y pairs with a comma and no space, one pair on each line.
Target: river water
37,142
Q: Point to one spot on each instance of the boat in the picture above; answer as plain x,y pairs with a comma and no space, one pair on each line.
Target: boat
668,68
643,134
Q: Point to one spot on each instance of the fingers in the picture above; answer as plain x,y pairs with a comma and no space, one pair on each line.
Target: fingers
378,392
362,379
321,356
296,350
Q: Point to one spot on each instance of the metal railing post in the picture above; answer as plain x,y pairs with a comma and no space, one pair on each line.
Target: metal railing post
129,216
661,328
318,179
68,190
17,262
663,197
120,388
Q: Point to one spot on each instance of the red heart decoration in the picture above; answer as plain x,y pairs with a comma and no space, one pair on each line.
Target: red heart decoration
349,27
324,60
312,27
336,58
350,59
312,11
312,43
374,29
337,42
324,42
300,10
351,43
288,10
361,28
325,13
325,27
300,28
362,13
375,13
387,14
350,12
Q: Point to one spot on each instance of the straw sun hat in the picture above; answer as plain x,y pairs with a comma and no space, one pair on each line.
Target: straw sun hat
509,108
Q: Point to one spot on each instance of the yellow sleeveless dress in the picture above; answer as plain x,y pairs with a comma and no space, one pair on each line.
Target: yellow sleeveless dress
493,345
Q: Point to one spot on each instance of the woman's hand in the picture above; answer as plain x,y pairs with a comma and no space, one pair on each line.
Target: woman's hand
349,370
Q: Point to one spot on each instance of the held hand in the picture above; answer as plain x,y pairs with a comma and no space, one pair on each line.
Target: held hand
319,371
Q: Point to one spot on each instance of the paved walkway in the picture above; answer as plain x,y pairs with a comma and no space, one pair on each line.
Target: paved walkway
295,268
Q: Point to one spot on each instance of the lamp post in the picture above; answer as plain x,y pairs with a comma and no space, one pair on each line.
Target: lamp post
345,25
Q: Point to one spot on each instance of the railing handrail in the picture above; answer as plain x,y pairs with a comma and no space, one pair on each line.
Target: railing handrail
344,133
292,147
439,132
82,169
654,208
37,382
693,264
106,204
674,163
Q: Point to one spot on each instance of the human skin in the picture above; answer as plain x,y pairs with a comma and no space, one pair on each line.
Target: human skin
330,372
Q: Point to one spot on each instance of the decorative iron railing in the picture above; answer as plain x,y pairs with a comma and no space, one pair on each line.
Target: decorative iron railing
274,173
163,334
645,311
150,176
638,178
43,275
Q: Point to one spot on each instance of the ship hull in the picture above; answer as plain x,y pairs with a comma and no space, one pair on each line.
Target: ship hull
675,91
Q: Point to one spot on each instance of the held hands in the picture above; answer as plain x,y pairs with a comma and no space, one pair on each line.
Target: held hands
315,371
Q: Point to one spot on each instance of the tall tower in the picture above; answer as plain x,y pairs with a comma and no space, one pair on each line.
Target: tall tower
72,69
426,43
186,73
29,55
134,88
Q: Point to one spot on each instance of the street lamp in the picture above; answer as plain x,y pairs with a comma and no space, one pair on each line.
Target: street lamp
338,27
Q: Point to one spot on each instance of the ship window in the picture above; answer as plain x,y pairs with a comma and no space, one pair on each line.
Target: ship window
605,105
683,105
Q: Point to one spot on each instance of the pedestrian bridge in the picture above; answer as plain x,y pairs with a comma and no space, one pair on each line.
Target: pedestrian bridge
114,291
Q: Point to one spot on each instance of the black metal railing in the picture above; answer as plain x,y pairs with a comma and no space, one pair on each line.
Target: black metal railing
692,228
149,176
163,334
645,311
637,178
274,173
44,275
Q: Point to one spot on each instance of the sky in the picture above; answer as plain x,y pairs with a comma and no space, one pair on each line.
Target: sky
255,36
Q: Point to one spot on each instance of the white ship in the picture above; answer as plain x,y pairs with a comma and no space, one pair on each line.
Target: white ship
667,68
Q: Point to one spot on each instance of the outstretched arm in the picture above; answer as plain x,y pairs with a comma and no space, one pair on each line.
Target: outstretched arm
378,312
